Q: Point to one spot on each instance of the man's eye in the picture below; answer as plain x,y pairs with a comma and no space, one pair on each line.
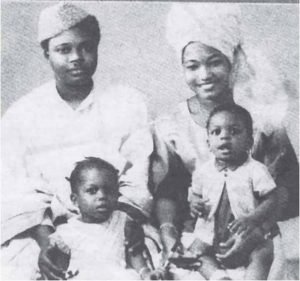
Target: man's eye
64,50
216,132
89,47
234,131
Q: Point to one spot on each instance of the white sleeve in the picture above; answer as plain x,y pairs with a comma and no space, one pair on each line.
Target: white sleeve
263,182
136,149
13,150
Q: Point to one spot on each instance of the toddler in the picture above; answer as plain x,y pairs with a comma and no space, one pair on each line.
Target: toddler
231,196
102,241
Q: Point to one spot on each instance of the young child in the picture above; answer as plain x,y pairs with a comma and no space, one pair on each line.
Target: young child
235,194
102,241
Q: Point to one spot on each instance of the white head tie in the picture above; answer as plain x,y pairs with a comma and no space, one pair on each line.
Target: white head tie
216,25
256,84
58,18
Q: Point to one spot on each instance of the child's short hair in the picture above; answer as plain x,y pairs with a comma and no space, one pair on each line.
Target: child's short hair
89,163
236,110
90,25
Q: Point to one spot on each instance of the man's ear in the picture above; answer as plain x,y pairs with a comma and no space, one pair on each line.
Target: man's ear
208,143
46,54
74,199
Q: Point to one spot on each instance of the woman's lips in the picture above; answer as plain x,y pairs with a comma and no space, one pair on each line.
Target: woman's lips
207,86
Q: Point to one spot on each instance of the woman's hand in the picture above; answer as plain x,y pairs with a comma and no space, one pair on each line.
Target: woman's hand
199,207
156,274
240,245
243,225
169,237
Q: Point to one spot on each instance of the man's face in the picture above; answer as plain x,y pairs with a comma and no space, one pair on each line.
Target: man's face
73,57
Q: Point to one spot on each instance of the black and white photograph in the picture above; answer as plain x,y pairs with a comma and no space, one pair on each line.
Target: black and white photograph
149,140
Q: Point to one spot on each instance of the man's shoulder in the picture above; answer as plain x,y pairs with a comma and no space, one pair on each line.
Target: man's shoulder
31,101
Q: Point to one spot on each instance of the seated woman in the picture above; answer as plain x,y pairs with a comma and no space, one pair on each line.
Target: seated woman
218,69
51,128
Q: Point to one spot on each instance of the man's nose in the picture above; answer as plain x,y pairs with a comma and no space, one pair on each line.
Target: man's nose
225,134
76,55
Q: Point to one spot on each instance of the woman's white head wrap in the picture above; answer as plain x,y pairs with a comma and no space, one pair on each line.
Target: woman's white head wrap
58,18
215,25
256,84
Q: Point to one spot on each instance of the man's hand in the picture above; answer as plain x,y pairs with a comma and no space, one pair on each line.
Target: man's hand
49,270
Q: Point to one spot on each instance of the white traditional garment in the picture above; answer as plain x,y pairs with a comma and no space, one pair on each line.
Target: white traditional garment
43,137
97,250
241,185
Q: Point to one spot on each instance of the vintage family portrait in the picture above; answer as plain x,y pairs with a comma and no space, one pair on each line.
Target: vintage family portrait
149,140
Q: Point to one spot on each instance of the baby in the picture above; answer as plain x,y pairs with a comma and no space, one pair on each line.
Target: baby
99,243
231,195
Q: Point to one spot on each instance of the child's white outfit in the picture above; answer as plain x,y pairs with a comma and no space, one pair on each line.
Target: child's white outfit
97,250
242,185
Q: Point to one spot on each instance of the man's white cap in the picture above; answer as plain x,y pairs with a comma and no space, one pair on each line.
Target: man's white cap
58,18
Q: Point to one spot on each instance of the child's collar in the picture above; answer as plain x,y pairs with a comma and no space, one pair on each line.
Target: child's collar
222,165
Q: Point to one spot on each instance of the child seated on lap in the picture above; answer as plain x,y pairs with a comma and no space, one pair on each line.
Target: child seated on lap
98,244
231,195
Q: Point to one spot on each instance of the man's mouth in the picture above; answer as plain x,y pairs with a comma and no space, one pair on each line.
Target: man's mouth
77,71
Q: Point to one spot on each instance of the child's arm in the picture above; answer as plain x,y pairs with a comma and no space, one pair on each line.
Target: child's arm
258,217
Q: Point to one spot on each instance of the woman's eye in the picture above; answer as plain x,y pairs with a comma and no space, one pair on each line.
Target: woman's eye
191,67
215,62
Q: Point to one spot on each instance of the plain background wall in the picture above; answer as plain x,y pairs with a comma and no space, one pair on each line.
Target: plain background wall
134,51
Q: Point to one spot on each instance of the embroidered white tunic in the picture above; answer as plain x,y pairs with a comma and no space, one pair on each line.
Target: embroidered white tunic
43,137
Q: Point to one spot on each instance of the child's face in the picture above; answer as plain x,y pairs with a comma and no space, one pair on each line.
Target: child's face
227,137
73,57
97,195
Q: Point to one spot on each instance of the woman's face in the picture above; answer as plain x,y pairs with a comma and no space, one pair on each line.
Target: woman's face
207,72
73,57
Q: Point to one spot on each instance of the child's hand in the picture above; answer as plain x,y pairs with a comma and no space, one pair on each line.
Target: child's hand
156,274
199,207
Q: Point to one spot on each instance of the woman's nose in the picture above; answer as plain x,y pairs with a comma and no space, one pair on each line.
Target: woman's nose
204,73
